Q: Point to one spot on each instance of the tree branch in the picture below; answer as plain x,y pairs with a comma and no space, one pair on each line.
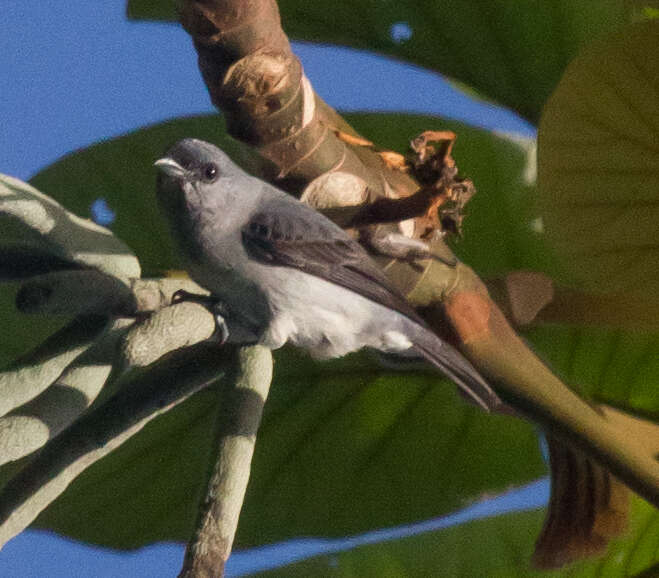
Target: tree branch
75,292
28,376
526,383
166,330
144,396
49,226
269,104
238,421
92,292
29,427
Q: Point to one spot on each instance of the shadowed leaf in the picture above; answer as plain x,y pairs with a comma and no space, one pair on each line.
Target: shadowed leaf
521,48
497,547
599,164
345,446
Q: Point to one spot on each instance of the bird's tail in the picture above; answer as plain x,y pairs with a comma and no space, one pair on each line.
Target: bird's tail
456,367
588,507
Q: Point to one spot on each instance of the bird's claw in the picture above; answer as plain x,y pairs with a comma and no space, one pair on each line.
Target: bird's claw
182,295
221,327
215,306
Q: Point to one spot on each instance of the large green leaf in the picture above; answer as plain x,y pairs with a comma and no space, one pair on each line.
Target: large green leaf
345,446
26,331
616,367
498,230
599,164
499,547
121,171
510,51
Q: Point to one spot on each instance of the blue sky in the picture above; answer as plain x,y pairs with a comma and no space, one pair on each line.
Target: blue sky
71,77
75,75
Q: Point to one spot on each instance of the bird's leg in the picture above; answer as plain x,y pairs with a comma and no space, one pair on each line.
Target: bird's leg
214,305
401,247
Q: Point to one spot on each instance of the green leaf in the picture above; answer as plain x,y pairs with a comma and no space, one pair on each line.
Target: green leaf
644,9
121,171
498,547
512,52
152,10
21,332
498,229
345,446
599,164
619,368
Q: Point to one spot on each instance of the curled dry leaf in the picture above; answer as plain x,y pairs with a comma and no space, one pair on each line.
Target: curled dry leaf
394,161
436,170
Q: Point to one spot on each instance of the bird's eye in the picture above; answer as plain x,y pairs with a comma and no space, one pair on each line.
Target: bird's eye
210,172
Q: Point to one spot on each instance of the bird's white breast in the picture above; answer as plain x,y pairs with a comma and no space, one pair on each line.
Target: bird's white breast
326,319
293,306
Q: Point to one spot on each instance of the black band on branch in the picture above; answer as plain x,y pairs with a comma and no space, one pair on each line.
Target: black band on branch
243,415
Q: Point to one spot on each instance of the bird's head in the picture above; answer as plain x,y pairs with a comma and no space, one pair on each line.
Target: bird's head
196,172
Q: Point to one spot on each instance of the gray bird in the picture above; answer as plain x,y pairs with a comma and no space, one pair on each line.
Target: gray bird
283,273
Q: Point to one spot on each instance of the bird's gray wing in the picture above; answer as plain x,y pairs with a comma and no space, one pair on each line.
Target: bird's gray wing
296,236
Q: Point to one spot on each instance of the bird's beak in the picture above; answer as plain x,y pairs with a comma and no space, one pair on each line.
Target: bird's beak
170,167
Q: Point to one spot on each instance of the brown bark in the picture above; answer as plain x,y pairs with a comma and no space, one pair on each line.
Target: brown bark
255,79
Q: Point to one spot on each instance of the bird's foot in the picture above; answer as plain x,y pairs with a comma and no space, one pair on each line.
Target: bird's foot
214,305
